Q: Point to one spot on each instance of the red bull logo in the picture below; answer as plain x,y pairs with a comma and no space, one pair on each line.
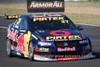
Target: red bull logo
66,49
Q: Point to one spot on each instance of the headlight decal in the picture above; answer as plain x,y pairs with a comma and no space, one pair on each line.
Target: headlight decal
83,42
44,43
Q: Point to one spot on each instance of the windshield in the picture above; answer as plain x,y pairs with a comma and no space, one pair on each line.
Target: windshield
53,25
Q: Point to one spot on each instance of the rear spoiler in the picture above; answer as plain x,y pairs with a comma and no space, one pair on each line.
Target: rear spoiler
12,16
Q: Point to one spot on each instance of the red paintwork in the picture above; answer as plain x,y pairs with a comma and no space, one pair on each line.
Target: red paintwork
37,49
20,42
82,36
55,33
42,38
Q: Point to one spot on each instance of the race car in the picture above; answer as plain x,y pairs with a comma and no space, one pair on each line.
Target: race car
47,37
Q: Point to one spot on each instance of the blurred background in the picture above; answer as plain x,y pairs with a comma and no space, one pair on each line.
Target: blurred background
82,0
80,11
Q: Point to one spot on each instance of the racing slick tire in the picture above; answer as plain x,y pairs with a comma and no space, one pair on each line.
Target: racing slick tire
8,48
31,51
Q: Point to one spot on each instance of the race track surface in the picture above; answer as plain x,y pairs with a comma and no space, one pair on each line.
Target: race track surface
5,61
12,1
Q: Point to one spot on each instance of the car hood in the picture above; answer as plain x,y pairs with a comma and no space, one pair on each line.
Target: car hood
59,35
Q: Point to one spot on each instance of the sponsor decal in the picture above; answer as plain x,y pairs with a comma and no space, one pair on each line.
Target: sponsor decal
44,15
59,33
69,58
41,5
12,16
65,44
37,49
44,49
54,15
44,43
43,58
41,49
19,20
63,38
66,49
45,5
21,43
12,34
17,23
47,18
64,21
26,42
83,42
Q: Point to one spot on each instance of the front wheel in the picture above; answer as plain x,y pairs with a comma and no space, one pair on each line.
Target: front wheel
8,48
31,52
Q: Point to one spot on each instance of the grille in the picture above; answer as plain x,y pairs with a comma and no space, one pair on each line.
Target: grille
61,44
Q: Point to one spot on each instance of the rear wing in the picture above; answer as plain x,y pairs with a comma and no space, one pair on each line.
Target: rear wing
12,16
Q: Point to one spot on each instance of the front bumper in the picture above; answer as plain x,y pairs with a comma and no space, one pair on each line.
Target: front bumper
43,58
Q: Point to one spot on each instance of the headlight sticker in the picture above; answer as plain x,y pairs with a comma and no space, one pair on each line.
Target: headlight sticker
44,43
83,42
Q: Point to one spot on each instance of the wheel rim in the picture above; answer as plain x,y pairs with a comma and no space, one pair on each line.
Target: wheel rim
8,47
30,51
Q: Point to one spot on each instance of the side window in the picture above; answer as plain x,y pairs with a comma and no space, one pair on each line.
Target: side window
17,23
24,25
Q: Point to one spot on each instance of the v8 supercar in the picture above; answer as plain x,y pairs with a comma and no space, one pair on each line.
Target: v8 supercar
47,37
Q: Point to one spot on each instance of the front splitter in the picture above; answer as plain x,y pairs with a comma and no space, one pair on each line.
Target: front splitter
43,58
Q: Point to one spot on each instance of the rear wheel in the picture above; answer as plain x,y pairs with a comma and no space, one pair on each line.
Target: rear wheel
31,52
8,48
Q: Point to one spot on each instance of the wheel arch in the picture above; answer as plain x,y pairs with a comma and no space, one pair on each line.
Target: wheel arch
9,39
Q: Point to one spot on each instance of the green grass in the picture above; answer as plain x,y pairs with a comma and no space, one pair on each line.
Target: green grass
13,9
84,18
10,11
78,18
83,4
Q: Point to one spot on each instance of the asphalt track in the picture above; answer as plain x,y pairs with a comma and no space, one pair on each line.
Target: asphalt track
92,31
12,1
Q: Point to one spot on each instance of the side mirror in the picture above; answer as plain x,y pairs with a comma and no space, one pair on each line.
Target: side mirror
80,28
23,31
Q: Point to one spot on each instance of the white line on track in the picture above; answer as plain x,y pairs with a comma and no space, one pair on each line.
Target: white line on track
2,15
3,27
88,24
